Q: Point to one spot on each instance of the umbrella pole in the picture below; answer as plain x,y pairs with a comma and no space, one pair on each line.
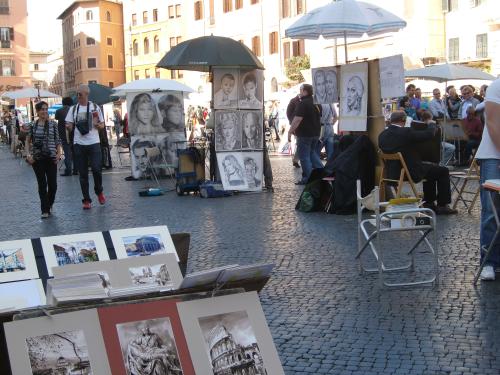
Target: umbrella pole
345,46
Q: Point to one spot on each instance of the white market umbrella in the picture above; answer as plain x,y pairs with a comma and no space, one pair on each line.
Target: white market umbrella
448,72
345,18
151,84
29,92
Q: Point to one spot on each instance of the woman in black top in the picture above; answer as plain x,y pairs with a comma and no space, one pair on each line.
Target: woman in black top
44,151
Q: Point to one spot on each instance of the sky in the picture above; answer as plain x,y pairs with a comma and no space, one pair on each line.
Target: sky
44,29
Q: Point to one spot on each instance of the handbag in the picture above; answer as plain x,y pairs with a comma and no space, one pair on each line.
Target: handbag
83,126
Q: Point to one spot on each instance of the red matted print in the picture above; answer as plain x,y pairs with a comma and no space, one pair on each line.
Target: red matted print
145,338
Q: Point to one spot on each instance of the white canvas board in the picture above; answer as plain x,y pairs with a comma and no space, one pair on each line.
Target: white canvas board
251,130
251,89
17,261
37,345
253,162
226,88
73,249
205,277
232,170
22,295
325,86
353,97
227,130
392,80
142,241
209,323
131,271
251,271
138,157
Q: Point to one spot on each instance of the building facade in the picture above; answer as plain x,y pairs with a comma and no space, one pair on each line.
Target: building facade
93,43
14,52
39,69
55,68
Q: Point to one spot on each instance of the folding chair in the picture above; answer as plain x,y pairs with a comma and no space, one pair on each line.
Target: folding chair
123,147
155,162
459,181
421,221
404,175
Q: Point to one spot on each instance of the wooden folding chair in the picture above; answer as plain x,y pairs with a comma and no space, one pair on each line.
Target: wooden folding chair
404,175
459,181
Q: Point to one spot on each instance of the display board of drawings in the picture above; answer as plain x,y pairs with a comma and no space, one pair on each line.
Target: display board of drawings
238,103
155,120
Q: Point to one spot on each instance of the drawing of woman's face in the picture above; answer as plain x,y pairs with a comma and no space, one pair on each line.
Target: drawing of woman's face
250,171
228,129
174,114
228,165
249,127
145,112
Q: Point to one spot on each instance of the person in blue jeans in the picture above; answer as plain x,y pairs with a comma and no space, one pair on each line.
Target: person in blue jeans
488,155
328,119
306,126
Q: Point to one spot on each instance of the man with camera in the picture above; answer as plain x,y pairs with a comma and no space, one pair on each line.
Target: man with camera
86,118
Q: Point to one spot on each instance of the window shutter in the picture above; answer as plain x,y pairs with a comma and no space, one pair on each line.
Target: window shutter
11,32
445,5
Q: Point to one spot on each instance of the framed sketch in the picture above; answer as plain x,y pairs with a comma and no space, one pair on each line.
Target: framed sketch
232,170
144,336
161,270
133,242
392,79
225,83
227,131
229,332
171,107
17,261
325,85
253,162
138,157
67,343
251,90
353,97
143,114
251,130
73,249
21,295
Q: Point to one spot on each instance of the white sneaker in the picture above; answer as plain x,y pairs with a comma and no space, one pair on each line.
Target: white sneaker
488,273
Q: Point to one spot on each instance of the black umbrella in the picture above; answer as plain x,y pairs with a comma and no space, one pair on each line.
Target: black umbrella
99,94
201,54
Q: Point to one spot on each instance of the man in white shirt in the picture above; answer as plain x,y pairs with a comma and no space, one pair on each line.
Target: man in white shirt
437,106
87,119
488,155
468,101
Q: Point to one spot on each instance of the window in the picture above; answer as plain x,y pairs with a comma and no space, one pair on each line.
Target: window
110,61
227,5
482,46
145,17
4,7
146,46
111,84
198,10
285,8
274,85
238,4
254,2
92,81
155,15
453,5
91,62
273,42
6,36
178,10
108,16
135,48
476,3
157,72
109,41
146,73
173,74
453,49
286,50
178,40
156,44
171,11
90,41
299,6
134,19
172,42
180,74
36,67
212,12
256,45
7,68
89,15
136,74
298,48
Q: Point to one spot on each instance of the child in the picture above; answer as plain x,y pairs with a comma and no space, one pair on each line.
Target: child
226,96
249,89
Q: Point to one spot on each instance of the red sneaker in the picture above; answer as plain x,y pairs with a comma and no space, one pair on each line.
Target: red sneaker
86,205
101,197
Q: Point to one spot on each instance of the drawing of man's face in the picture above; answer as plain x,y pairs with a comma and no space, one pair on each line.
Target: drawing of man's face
174,114
227,85
250,170
228,166
320,83
249,89
228,128
354,93
249,126
139,152
331,85
145,113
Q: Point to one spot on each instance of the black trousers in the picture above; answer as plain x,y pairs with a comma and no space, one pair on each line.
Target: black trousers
46,176
85,155
437,184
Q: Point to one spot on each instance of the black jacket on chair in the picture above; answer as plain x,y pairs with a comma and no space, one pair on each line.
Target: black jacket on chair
398,139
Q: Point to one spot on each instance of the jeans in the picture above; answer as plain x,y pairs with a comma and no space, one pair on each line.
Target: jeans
437,178
46,176
490,169
69,160
448,152
470,145
85,155
309,158
326,141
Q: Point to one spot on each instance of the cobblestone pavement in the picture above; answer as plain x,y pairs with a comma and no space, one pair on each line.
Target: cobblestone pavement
324,316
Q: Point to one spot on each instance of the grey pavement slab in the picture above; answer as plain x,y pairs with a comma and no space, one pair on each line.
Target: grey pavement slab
324,316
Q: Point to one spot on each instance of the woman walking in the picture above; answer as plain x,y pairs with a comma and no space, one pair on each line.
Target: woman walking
44,151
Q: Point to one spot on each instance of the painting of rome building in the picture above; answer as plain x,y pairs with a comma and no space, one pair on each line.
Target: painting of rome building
62,353
156,274
12,260
231,344
143,245
75,252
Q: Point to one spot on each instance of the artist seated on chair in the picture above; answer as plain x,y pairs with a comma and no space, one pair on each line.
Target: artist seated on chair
397,138
448,150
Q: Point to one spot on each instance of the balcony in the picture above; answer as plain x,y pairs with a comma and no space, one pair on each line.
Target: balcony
5,44
4,10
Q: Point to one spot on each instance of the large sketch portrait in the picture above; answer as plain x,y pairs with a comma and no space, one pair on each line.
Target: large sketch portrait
143,117
232,170
169,143
138,155
251,134
353,99
325,85
253,164
251,91
171,106
225,83
227,131
392,80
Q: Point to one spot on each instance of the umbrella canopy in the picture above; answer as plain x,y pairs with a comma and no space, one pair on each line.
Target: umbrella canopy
151,84
448,72
29,92
202,53
99,94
